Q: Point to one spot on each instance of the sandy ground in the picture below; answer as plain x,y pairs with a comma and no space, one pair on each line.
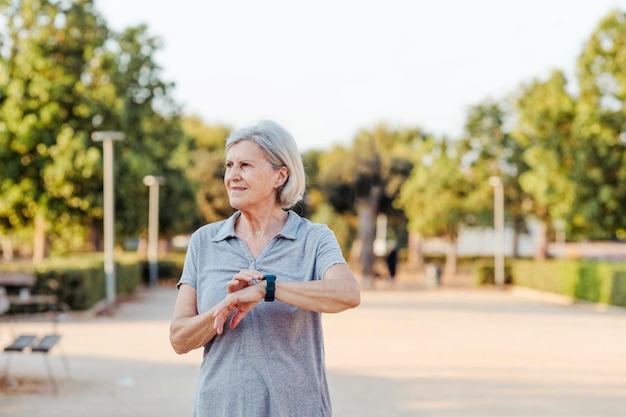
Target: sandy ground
408,350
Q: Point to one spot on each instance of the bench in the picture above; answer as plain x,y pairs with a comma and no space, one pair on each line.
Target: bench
28,343
17,279
24,283
21,343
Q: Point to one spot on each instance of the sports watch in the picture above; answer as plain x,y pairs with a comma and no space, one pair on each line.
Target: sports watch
270,288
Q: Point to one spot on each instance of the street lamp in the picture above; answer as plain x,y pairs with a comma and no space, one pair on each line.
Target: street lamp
153,182
498,221
107,138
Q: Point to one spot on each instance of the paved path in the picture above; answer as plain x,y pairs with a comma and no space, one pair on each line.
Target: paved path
439,352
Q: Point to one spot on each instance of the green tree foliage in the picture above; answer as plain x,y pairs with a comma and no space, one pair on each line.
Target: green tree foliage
600,127
49,62
365,178
155,143
437,197
318,208
64,74
206,168
489,150
545,114
332,195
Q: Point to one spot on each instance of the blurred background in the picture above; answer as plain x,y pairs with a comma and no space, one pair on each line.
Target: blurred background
482,139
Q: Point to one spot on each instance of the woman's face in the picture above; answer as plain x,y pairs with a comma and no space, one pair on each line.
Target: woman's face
250,179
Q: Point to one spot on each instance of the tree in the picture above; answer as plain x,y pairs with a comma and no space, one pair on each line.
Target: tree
155,142
545,113
600,123
435,197
64,74
489,150
206,168
365,179
47,65
333,195
319,209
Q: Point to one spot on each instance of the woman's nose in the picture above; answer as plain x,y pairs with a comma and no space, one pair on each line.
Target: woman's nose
232,172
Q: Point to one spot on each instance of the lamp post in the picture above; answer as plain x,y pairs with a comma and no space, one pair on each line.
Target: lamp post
107,138
498,249
153,182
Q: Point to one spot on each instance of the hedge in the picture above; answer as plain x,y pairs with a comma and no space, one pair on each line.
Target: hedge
79,281
485,273
596,281
169,270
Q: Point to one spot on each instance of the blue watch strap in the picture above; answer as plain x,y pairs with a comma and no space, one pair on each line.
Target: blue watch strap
270,289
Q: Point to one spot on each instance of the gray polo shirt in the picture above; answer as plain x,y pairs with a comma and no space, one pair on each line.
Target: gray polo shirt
272,364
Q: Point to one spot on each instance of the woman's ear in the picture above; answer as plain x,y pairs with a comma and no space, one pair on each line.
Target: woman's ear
283,176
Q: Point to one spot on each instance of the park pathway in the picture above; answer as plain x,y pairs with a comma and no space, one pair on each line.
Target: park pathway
452,352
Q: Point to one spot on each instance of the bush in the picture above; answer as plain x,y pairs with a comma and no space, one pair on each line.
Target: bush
485,272
79,282
170,268
597,281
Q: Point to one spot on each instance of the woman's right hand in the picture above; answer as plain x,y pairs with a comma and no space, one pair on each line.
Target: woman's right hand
243,301
243,279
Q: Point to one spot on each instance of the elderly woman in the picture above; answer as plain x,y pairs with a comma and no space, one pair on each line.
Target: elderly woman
253,287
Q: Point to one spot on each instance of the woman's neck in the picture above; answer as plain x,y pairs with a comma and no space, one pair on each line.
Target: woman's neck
257,226
258,231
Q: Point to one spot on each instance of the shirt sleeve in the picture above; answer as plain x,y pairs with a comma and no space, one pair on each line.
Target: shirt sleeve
190,266
328,252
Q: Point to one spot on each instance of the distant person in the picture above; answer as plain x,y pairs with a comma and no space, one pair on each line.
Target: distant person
253,287
433,275
392,261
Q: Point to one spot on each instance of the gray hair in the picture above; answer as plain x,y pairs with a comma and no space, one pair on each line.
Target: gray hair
280,149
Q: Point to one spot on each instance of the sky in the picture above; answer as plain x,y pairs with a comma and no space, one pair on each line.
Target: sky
327,69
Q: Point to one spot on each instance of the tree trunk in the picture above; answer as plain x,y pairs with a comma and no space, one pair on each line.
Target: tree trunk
541,248
355,251
515,251
415,251
518,226
7,248
40,244
142,246
95,240
451,264
367,209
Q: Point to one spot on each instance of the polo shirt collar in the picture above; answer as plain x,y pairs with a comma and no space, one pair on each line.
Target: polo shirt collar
288,232
290,229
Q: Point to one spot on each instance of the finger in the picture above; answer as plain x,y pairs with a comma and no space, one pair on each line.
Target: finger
221,315
233,285
220,320
237,317
249,275
241,282
218,324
